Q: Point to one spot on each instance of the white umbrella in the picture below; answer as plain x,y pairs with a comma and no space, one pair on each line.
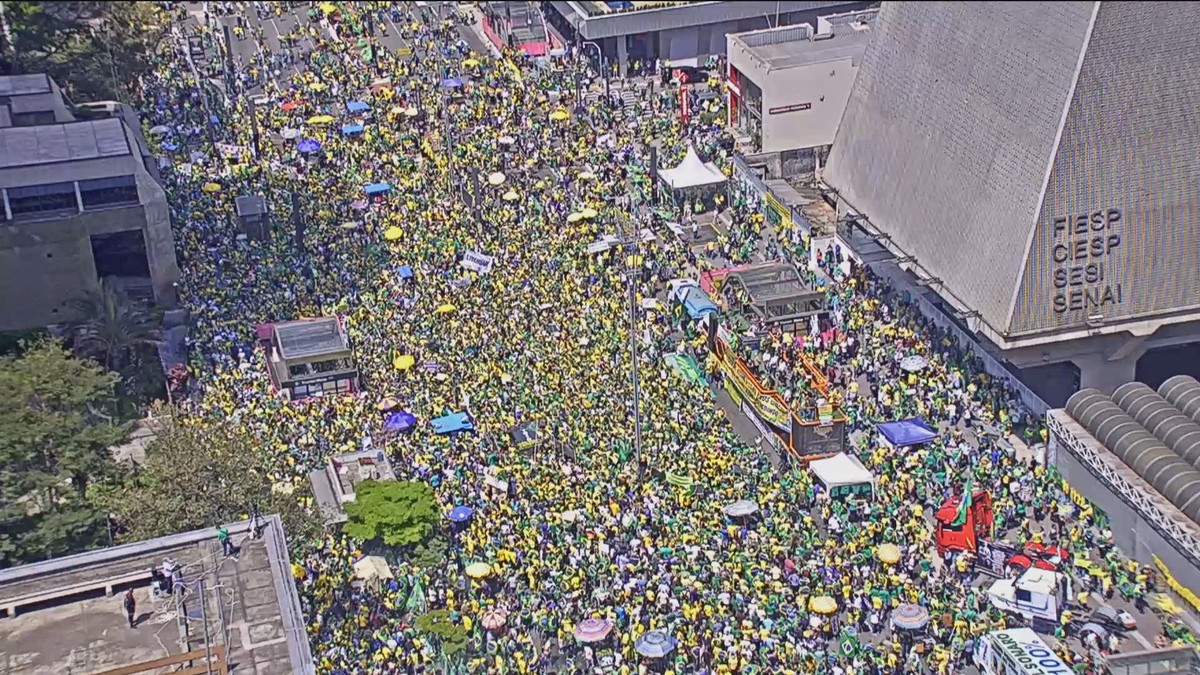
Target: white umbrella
506,140
289,134
913,363
742,507
160,130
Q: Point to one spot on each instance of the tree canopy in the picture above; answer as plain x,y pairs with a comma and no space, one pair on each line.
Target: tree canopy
198,473
441,626
398,513
94,50
54,446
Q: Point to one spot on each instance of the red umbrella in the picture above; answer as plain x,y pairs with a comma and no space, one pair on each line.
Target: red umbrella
290,105
495,619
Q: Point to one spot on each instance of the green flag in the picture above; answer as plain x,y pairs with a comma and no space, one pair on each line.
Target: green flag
964,504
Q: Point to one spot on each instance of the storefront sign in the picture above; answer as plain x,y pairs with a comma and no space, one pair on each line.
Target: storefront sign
795,107
1083,245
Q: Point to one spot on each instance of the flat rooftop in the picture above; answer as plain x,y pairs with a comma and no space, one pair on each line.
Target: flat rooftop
596,8
66,616
845,37
69,142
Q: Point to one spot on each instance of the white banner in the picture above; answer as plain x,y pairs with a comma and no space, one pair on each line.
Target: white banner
477,262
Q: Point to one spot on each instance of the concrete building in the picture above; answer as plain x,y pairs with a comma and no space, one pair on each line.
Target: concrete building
215,614
678,33
81,201
788,86
1034,164
333,486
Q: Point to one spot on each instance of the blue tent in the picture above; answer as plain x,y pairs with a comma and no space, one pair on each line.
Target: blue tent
696,301
912,431
378,188
357,106
349,129
452,424
405,272
399,421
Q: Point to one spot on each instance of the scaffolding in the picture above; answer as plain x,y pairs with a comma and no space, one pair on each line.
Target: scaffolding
774,293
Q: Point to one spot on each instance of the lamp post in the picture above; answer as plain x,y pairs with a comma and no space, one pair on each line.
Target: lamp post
631,270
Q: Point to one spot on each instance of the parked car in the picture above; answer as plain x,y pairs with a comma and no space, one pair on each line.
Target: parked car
1113,619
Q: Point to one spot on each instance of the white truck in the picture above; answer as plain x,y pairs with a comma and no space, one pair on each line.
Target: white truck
1017,651
1037,595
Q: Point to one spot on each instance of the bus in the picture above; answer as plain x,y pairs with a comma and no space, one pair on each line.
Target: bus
1017,651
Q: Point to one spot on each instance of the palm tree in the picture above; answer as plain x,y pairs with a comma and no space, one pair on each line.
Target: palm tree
108,325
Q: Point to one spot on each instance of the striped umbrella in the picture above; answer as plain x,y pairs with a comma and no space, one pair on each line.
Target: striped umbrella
910,617
593,630
494,619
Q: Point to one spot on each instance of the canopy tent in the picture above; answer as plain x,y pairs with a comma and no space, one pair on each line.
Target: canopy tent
692,172
843,474
357,106
378,188
372,567
351,129
452,423
912,431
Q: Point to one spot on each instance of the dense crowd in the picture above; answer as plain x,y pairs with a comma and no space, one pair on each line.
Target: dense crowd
496,156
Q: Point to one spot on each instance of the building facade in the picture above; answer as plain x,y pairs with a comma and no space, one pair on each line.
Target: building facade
788,86
1034,164
677,33
81,202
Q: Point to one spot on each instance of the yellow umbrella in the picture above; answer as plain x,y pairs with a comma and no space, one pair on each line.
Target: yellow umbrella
470,63
328,7
497,178
318,86
589,212
446,308
393,233
321,119
586,175
574,217
389,403
540,184
510,196
403,362
559,115
888,554
211,187
350,225
822,604
478,570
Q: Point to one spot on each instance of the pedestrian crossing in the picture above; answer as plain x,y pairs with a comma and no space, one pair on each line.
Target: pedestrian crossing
629,102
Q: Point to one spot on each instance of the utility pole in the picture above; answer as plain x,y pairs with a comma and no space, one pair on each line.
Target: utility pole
631,270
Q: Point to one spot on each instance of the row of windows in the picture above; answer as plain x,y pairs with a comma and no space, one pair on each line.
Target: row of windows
341,386
33,201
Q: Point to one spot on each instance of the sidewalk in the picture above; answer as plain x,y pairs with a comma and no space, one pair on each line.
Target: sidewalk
476,28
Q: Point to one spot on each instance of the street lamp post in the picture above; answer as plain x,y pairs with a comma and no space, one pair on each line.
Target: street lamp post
631,271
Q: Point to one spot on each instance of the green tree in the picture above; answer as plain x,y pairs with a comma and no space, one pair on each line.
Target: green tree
199,473
398,513
54,446
94,50
448,636
111,327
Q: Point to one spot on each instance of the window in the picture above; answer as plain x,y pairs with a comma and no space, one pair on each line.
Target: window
1024,596
330,365
299,370
33,201
33,119
104,192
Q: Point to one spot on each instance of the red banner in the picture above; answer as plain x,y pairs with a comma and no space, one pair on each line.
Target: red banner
684,110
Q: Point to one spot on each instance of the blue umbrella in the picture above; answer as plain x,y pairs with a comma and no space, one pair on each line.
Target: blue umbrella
349,129
405,271
378,188
460,514
655,644
357,106
400,421
169,146
451,83
308,146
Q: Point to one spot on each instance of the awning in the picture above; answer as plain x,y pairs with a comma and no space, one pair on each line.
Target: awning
841,469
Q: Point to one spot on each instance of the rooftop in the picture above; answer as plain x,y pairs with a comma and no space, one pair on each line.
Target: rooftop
24,85
837,37
595,8
51,143
69,615
334,485
310,337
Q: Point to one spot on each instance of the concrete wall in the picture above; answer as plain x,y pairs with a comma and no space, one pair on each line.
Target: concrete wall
1134,535
824,87
45,264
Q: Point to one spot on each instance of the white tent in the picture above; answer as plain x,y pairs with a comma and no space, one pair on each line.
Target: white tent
692,172
843,474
